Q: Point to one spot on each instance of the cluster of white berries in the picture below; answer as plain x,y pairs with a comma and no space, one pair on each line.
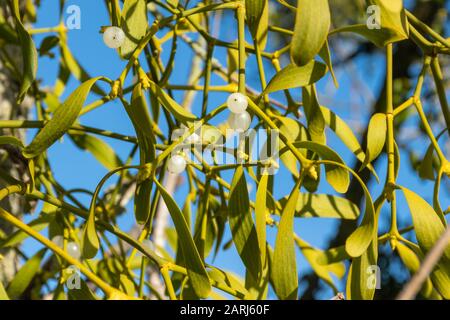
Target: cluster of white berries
239,119
72,248
114,37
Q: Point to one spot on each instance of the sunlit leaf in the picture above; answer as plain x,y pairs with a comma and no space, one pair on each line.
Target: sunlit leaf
260,215
102,151
427,224
63,118
171,105
322,271
195,268
25,275
364,274
241,224
14,141
3,294
134,24
284,268
376,137
311,205
294,76
337,176
314,116
325,54
312,24
345,133
412,263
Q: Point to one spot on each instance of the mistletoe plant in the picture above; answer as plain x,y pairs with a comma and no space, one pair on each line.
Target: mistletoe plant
79,236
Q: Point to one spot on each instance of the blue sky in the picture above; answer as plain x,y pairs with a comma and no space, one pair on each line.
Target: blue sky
74,168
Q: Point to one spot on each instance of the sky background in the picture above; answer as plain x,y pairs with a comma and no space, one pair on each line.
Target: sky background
77,169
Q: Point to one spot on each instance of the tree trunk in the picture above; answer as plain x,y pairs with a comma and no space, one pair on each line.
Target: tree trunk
9,109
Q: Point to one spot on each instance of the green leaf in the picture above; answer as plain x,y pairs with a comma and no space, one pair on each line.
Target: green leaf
14,141
257,12
254,10
427,224
325,54
295,131
426,170
3,294
126,284
284,266
241,224
82,294
311,205
29,53
333,255
322,271
426,166
7,33
232,61
441,280
258,288
357,243
25,275
102,151
18,236
140,117
134,24
294,76
90,242
63,118
173,3
49,43
227,279
337,176
263,29
180,113
412,263
363,275
314,116
393,28
345,133
260,215
376,137
312,24
194,265
393,17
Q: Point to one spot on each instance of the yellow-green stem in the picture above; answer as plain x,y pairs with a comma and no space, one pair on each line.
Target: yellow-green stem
241,46
168,282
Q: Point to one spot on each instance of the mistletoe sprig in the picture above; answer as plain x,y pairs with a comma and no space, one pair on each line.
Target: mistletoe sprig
139,29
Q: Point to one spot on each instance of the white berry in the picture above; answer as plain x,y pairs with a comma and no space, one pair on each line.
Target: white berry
114,37
240,121
176,165
58,240
237,103
73,250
